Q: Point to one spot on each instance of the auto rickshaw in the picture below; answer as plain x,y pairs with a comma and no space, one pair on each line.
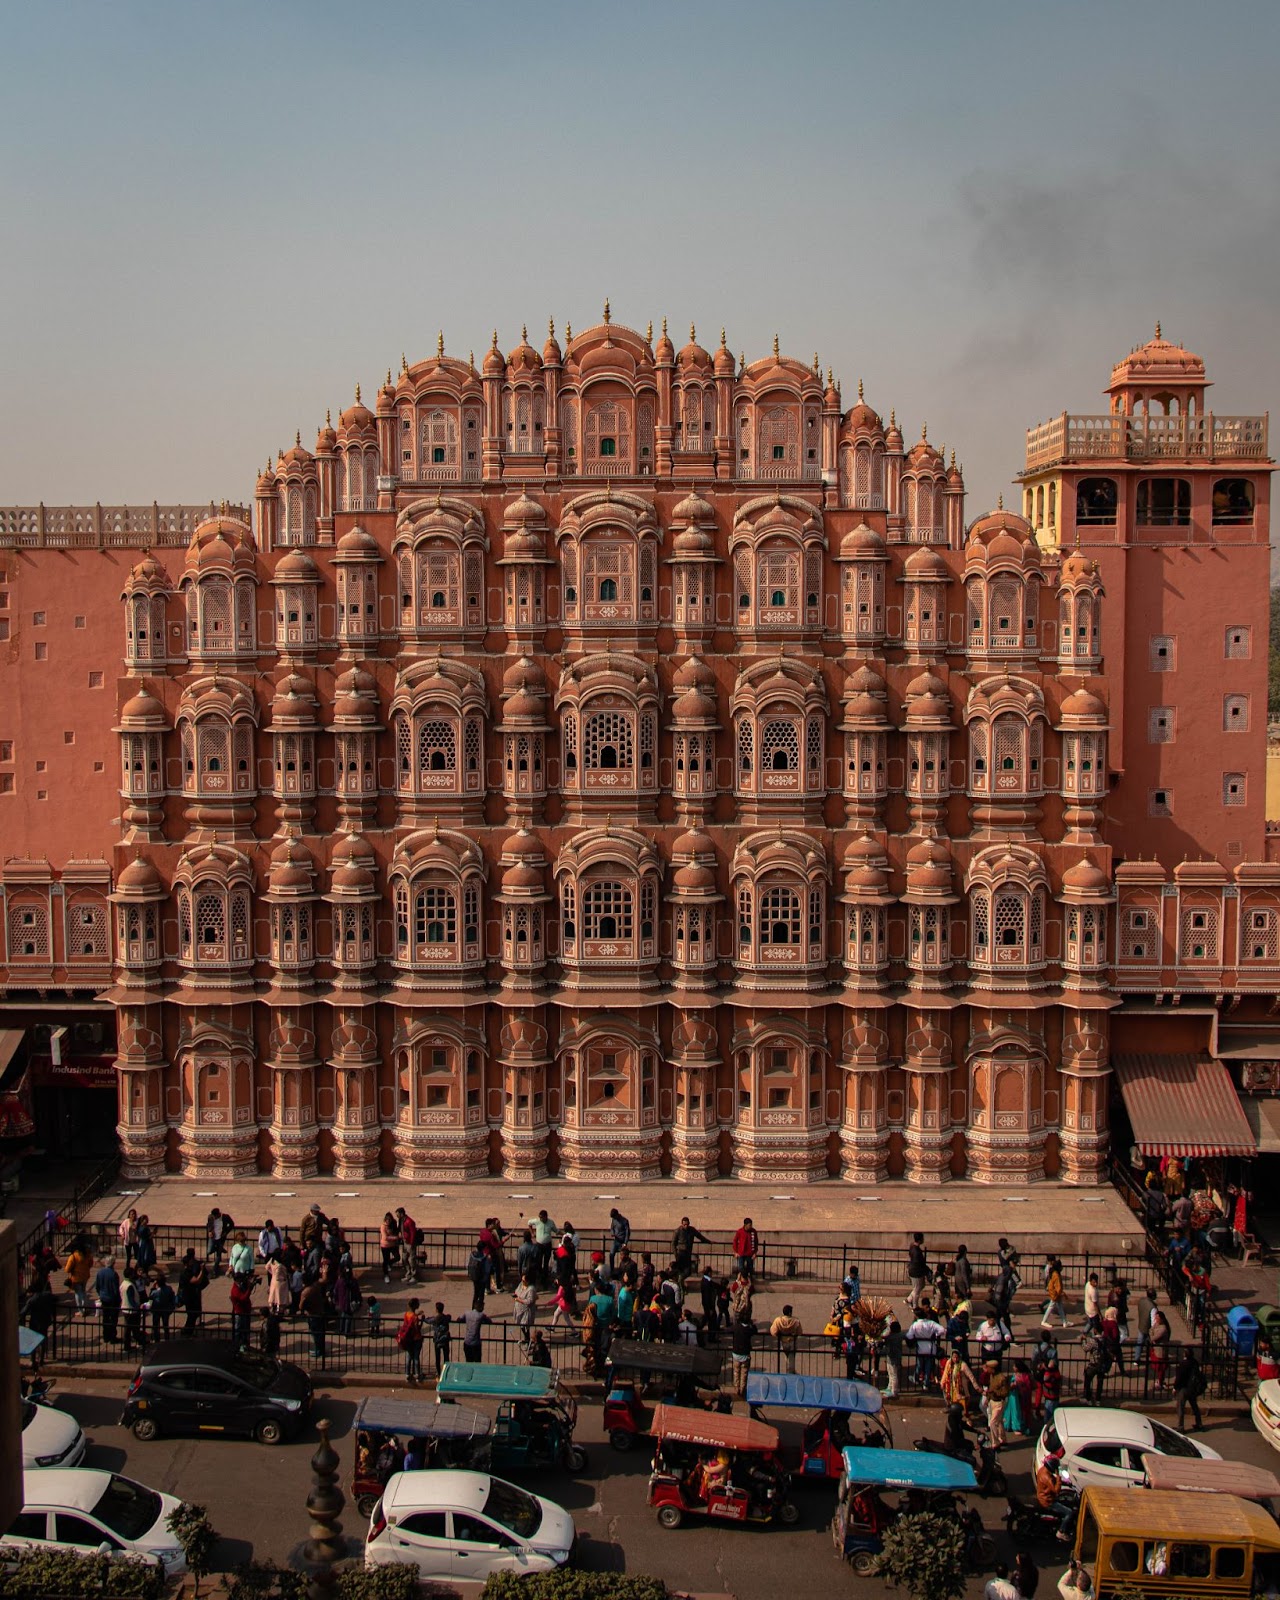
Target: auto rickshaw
452,1436
709,1464
917,1481
536,1417
681,1369
834,1402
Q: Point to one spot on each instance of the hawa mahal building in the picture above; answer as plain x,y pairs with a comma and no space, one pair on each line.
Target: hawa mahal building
614,761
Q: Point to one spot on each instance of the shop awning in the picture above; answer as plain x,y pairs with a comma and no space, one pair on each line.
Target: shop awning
1263,1114
1183,1105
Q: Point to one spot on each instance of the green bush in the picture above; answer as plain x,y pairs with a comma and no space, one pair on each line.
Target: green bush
191,1527
394,1582
264,1580
42,1574
924,1554
572,1586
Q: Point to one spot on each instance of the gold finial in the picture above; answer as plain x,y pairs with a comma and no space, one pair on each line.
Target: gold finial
494,345
440,345
328,418
775,346
924,432
1000,503
817,367
693,334
664,327
830,379
357,394
648,332
297,437
568,333
524,333
893,417
471,362
859,388
608,315
389,375
551,327
404,363
953,461
1157,327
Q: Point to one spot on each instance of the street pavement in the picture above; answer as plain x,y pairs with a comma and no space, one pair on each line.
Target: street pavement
256,1496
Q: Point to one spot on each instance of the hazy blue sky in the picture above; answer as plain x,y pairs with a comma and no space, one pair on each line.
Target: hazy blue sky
216,219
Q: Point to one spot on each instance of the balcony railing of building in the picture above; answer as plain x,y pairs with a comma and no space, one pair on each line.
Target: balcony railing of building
100,527
1188,437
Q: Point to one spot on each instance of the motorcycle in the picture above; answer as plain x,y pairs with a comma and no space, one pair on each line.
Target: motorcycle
984,1461
1028,1521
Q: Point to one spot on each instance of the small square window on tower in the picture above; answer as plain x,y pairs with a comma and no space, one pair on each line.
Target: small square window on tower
42,650
1164,652
1233,789
1160,725
1160,803
1237,642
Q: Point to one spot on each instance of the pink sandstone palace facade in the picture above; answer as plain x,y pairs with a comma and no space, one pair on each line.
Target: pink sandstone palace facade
610,761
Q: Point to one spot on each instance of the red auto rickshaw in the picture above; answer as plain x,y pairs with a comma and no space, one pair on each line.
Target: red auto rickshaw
680,1370
725,1467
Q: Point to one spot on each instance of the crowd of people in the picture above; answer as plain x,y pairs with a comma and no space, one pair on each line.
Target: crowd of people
955,1337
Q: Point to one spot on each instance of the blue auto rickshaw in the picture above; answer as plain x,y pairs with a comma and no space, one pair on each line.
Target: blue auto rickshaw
834,1403
536,1413
878,1485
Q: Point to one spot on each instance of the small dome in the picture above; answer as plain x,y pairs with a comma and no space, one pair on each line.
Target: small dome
694,705
293,701
1078,568
524,675
692,875
693,508
862,543
522,875
298,567
297,455
1083,706
1085,878
864,680
693,355
524,512
140,877
664,352
524,358
1002,521
922,454
926,565
862,419
893,434
693,674
357,418
1158,358
266,480
929,865
692,844
724,363
356,681
551,352
148,572
356,542
291,866
926,685
494,364
143,712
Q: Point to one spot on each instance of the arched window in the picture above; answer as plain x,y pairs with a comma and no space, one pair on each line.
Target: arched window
608,589
607,911
1096,501
1164,503
779,916
1232,502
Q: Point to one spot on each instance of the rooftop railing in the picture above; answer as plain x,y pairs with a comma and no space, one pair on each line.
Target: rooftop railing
100,527
1117,438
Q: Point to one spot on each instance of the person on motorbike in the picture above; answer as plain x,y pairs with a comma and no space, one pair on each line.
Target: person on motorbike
1049,1498
954,1441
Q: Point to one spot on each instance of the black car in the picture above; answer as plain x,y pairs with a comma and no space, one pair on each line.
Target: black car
205,1386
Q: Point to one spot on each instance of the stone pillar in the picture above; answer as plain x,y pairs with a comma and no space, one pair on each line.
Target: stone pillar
864,1126
324,1506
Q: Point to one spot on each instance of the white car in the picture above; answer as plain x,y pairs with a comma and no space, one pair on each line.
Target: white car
1265,1411
1107,1447
78,1508
50,1438
462,1525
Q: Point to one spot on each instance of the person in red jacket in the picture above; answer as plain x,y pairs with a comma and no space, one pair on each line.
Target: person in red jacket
745,1244
408,1243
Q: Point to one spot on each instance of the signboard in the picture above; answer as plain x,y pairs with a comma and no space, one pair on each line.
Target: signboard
74,1072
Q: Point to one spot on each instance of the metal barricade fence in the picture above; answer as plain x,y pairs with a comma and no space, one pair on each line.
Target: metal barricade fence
80,1343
